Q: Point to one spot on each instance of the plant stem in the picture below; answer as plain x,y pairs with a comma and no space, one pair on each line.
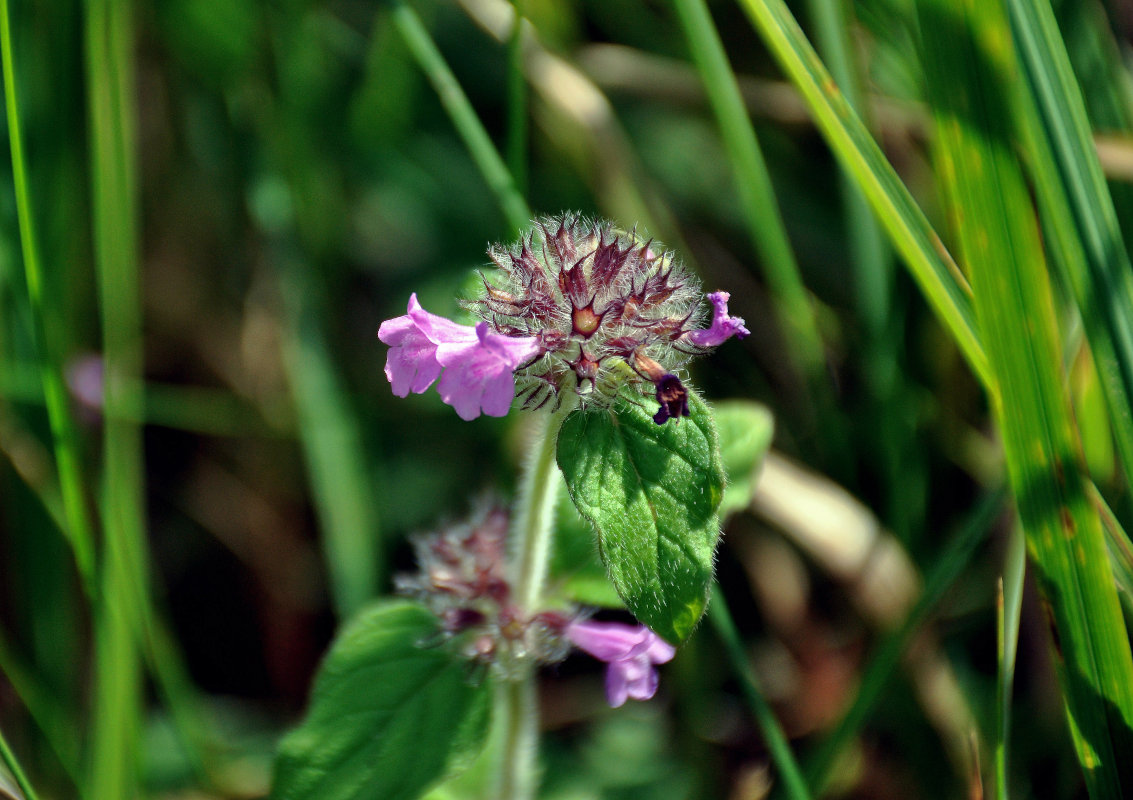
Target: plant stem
535,506
516,705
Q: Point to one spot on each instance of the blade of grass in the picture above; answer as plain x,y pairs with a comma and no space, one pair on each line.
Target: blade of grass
60,728
1008,607
517,127
764,220
115,733
909,231
463,115
9,759
329,431
753,184
79,528
1078,210
868,255
969,63
947,566
339,472
773,736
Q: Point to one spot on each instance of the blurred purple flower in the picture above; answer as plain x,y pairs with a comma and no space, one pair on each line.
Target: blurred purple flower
630,650
723,327
85,379
478,363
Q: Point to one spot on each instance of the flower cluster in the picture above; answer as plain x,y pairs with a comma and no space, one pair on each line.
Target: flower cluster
462,578
577,307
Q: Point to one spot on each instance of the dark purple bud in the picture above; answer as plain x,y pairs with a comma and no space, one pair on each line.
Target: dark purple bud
673,397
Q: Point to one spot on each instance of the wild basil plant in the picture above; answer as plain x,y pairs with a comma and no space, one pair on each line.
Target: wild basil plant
588,327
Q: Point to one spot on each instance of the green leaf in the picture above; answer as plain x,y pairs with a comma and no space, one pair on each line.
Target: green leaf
745,430
651,491
388,718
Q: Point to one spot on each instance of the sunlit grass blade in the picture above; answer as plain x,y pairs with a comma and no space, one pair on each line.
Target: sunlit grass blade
463,115
753,185
909,231
883,661
1008,607
58,724
79,527
776,741
1078,211
9,760
517,121
969,60
117,715
869,257
339,474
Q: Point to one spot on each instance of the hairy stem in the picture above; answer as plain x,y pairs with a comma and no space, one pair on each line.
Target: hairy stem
532,527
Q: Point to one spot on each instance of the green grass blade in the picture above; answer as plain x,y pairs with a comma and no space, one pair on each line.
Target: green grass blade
753,183
58,723
115,734
9,760
908,229
1079,213
884,660
78,528
339,473
969,62
773,736
517,121
1008,607
463,115
868,254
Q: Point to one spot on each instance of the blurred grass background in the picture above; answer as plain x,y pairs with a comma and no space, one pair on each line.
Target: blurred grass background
224,198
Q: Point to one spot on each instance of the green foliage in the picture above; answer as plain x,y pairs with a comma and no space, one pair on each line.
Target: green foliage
745,430
390,715
651,492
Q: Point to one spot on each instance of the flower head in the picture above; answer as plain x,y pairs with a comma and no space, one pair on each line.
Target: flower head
631,652
478,363
463,578
576,307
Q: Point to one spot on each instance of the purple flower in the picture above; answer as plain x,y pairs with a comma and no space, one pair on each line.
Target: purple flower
630,650
478,363
723,326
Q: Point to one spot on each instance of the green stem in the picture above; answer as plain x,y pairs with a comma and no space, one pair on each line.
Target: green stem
776,740
531,523
516,712
531,532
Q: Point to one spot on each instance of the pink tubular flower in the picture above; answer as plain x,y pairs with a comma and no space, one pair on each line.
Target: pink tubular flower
478,363
723,327
630,650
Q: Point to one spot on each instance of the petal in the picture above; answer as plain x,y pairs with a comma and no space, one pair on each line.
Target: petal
640,677
412,366
607,641
723,326
659,651
617,688
438,329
